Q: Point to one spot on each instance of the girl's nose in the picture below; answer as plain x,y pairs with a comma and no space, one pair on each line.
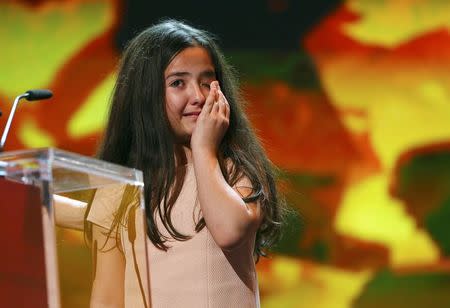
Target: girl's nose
198,96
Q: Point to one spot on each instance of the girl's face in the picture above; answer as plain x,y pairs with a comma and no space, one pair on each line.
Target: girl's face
187,79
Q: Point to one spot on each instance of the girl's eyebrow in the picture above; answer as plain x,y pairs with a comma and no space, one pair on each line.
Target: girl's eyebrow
178,74
207,73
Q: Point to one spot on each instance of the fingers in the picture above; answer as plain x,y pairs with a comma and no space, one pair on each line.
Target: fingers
226,105
216,101
222,104
212,97
216,107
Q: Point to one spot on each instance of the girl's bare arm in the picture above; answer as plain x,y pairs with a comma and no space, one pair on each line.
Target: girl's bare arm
108,264
230,220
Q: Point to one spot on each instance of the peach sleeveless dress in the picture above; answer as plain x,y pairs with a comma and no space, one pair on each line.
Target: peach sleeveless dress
192,273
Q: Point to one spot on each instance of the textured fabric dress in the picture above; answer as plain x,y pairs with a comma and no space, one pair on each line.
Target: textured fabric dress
192,273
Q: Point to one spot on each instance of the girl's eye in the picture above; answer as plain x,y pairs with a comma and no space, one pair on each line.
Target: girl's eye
176,83
206,85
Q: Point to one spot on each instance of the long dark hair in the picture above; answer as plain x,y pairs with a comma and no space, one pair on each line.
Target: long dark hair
138,133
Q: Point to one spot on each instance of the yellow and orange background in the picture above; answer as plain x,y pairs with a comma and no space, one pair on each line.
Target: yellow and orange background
357,119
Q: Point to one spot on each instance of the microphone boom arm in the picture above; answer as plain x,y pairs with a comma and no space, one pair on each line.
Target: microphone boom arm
11,115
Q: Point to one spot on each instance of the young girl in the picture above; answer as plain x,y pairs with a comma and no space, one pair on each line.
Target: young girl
210,196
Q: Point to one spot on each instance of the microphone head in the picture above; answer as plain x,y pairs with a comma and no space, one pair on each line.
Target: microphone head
34,95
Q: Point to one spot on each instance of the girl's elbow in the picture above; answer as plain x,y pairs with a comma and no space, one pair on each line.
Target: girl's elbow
231,238
229,242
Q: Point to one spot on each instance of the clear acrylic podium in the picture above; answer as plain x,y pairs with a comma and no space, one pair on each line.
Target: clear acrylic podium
46,258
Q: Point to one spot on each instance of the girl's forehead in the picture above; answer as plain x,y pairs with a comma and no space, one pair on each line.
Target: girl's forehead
193,53
191,57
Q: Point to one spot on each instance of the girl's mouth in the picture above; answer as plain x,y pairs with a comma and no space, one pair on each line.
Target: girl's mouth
192,114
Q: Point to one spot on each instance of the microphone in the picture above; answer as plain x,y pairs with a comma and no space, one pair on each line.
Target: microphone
34,95
31,95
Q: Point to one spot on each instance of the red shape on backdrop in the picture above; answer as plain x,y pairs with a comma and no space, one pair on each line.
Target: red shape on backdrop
328,39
